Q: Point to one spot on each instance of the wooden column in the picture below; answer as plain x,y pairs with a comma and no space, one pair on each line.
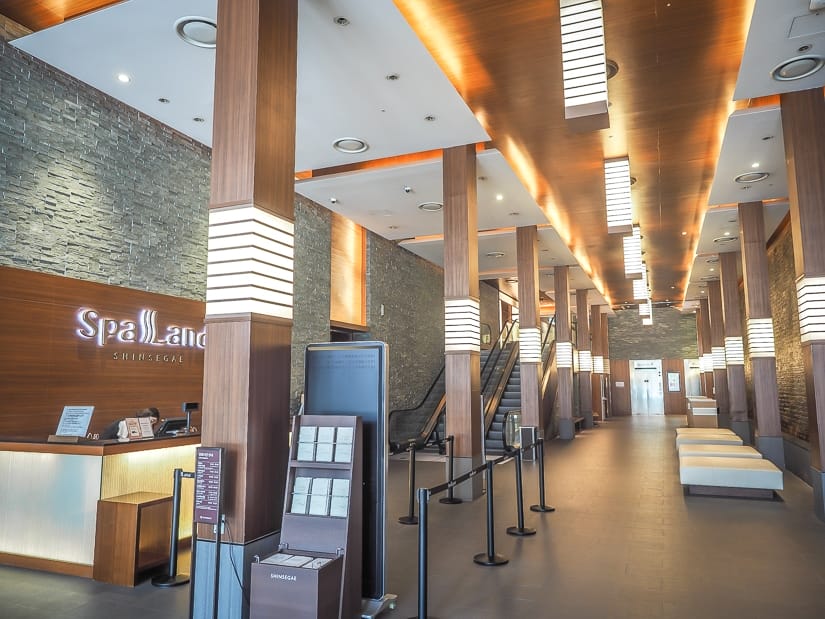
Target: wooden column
585,355
760,331
461,287
247,358
717,342
564,351
803,127
606,355
529,326
703,322
598,361
734,347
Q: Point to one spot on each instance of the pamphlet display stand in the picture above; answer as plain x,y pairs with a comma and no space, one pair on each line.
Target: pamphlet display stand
317,572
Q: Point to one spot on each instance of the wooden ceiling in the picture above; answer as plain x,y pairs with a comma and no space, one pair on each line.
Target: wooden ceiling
678,63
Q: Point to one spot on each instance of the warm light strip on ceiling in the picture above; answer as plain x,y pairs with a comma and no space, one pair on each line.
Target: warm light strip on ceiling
632,245
584,66
530,345
760,337
810,294
617,195
249,263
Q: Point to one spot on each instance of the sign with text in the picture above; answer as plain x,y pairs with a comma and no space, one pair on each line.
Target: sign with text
208,479
75,420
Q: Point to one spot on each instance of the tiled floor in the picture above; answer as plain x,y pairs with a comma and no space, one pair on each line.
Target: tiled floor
624,543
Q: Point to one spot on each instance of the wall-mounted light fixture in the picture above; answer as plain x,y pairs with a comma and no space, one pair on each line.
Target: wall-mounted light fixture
564,355
734,351
760,337
585,361
718,355
529,345
810,295
462,325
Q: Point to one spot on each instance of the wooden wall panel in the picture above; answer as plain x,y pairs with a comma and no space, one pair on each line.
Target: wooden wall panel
620,396
46,365
674,400
348,286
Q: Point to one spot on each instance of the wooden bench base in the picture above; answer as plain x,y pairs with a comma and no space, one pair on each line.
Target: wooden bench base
578,423
736,493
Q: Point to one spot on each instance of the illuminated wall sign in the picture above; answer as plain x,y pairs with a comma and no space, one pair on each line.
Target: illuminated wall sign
143,330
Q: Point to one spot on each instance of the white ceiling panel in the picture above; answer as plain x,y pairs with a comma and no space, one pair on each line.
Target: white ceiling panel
780,30
343,90
753,142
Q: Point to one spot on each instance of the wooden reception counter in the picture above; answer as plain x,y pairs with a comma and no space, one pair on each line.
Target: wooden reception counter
50,492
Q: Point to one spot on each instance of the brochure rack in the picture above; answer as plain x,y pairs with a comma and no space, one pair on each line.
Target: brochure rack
317,572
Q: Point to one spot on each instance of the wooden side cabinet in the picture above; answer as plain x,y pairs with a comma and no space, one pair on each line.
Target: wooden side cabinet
132,536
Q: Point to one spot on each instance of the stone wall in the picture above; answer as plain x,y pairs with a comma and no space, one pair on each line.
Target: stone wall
671,336
489,309
411,292
92,189
790,373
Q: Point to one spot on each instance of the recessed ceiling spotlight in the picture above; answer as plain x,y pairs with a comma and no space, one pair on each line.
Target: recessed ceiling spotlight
712,260
407,189
495,254
123,78
482,178
511,280
392,77
341,21
333,200
727,233
632,180
701,292
350,146
611,68
673,287
797,68
198,119
725,239
711,269
514,214
163,100
766,138
429,118
804,48
755,165
392,227
499,197
197,31
751,177
431,207
684,232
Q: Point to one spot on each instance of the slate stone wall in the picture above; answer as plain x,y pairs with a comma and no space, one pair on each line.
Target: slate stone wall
671,336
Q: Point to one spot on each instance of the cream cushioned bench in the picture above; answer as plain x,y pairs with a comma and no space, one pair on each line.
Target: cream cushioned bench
707,439
719,451
688,431
745,477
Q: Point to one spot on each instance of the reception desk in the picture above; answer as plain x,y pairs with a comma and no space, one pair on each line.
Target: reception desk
49,494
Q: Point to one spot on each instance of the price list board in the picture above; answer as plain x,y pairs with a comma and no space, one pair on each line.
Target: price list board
208,474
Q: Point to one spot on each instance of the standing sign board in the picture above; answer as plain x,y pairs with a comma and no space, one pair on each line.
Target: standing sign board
74,421
350,378
208,472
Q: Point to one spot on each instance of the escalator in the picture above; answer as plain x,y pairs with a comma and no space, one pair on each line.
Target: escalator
424,423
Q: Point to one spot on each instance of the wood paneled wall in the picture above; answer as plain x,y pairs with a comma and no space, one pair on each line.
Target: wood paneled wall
620,396
47,365
348,287
674,400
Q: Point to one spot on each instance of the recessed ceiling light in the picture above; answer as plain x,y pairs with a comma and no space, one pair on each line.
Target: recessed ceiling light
725,239
495,254
350,146
392,227
514,214
392,77
612,68
499,197
341,21
163,100
711,269
751,177
512,280
123,78
197,31
198,119
333,200
429,118
684,232
431,207
797,68
702,292
755,165
727,233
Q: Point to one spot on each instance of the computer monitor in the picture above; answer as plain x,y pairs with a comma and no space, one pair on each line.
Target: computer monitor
171,426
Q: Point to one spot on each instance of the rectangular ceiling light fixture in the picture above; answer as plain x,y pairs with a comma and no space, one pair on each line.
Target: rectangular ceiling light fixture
617,195
633,265
640,290
583,61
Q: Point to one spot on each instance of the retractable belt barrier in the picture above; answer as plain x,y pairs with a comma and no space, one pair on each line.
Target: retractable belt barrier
490,557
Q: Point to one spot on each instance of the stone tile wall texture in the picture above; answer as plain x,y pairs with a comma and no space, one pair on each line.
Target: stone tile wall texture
92,189
412,293
790,371
671,336
489,308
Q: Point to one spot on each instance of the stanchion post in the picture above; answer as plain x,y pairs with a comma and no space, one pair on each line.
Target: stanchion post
520,530
541,507
410,517
490,558
423,502
171,578
450,499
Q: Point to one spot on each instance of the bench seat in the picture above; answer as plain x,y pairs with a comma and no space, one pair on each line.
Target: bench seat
689,431
708,439
718,451
730,473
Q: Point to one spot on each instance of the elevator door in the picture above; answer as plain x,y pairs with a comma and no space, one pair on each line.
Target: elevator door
646,394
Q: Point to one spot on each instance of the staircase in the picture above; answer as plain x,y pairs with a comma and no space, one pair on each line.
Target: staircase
510,400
